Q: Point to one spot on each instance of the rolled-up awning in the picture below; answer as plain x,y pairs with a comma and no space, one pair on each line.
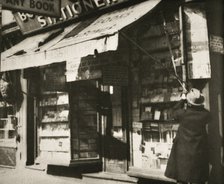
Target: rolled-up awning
78,40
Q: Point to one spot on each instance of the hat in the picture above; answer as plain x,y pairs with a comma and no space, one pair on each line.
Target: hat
194,97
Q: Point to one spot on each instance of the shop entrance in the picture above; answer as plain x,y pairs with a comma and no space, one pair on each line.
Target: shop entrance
114,118
84,122
98,123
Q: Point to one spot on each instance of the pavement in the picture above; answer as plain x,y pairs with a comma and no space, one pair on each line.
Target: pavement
59,176
29,176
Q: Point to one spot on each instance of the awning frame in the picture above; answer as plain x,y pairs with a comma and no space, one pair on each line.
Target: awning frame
95,36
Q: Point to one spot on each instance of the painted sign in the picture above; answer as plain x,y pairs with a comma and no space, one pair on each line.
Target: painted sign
197,42
41,7
70,10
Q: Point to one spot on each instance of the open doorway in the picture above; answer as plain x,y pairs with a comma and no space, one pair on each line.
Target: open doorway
114,123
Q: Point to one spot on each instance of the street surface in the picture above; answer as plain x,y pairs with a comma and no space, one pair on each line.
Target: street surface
29,176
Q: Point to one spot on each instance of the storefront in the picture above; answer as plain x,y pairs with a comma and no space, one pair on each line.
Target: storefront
69,125
81,122
174,60
106,86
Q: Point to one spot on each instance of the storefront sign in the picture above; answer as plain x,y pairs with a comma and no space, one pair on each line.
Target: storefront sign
70,10
197,42
42,7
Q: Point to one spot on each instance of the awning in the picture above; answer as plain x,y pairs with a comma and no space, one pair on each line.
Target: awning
32,45
29,44
82,40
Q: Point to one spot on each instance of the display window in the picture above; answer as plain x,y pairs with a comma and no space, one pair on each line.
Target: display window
53,127
9,136
8,125
68,126
156,89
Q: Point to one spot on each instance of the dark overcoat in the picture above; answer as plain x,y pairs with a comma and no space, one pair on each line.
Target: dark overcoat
188,159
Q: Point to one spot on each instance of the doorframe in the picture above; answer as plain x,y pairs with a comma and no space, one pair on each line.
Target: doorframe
21,114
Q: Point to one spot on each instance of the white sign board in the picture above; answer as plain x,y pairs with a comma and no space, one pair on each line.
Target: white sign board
197,42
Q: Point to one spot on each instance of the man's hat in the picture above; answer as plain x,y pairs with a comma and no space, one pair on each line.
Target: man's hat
194,97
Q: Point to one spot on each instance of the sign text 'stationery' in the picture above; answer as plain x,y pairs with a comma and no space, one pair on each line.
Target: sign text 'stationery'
70,10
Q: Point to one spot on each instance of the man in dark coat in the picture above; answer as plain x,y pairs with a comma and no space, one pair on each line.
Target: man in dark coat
188,161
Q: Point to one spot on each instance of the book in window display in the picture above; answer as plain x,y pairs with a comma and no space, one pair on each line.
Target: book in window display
159,93
54,131
158,132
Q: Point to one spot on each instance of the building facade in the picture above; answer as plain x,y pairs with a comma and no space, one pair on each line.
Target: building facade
98,91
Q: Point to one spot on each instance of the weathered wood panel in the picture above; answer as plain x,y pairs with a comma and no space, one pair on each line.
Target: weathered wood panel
8,156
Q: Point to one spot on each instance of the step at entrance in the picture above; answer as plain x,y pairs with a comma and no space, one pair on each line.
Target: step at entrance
39,167
108,178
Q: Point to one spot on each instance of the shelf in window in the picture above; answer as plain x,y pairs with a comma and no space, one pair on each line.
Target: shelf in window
86,150
150,130
156,103
54,136
53,105
54,93
157,121
64,121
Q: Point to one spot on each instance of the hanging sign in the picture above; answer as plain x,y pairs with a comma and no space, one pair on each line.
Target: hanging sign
70,10
197,42
41,7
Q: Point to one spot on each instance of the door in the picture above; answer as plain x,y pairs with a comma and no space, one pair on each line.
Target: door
32,116
114,117
84,117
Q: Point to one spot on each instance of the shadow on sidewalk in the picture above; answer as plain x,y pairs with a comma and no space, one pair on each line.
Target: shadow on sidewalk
150,181
74,171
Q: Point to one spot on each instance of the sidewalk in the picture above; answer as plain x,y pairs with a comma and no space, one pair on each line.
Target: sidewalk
29,176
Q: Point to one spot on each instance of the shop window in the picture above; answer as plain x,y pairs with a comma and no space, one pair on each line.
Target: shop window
7,125
54,133
53,129
68,127
155,91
